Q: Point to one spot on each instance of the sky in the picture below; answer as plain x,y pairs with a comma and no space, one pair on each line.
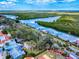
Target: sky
39,4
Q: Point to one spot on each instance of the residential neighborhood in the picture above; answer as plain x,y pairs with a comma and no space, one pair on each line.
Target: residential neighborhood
39,29
24,42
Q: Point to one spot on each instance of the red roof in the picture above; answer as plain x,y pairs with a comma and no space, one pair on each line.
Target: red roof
7,37
41,58
77,41
1,34
29,58
69,58
4,39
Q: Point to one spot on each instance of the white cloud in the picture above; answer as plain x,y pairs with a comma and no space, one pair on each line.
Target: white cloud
5,4
8,2
69,0
39,1
12,0
46,1
29,1
65,0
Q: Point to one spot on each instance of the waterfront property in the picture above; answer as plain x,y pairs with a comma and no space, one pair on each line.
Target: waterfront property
33,23
35,41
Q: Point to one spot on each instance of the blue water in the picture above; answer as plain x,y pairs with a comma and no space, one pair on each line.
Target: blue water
10,16
32,23
16,51
62,35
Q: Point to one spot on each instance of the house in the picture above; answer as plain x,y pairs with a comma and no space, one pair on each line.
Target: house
2,27
69,58
3,54
10,45
14,49
1,34
44,57
1,57
29,58
77,41
16,53
73,55
4,37
2,17
27,46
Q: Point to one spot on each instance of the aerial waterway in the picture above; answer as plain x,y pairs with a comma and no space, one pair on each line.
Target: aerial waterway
60,34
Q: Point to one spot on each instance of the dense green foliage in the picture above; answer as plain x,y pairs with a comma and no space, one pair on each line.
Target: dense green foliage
40,41
33,15
24,33
68,24
30,15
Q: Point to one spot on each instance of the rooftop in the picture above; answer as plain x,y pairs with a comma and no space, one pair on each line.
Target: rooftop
29,58
4,37
44,57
